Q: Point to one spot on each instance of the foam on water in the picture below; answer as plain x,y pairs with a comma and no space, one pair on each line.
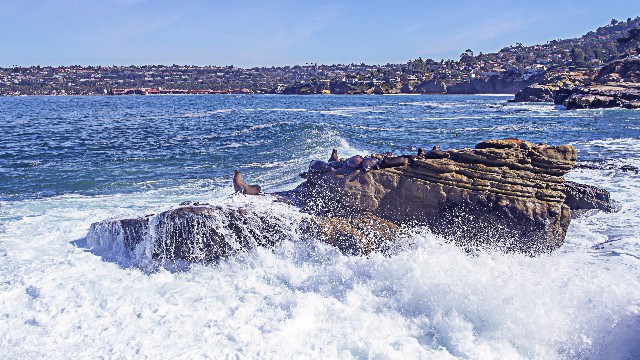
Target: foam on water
305,298
59,298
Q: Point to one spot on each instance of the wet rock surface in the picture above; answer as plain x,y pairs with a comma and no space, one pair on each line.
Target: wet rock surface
581,197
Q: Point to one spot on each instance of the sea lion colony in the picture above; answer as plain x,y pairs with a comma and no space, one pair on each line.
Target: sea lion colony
344,166
370,162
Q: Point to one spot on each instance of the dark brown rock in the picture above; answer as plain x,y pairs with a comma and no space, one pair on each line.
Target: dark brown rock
192,233
535,93
590,101
586,197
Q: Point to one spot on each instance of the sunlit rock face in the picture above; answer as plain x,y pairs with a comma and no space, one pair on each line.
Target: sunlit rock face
505,193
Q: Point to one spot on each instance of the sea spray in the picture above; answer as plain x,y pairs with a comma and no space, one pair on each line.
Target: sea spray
301,298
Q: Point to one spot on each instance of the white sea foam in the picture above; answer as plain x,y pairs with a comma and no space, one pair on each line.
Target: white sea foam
306,299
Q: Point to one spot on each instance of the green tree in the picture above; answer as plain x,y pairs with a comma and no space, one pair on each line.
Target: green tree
578,57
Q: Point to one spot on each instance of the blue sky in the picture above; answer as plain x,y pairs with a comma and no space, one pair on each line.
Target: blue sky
249,33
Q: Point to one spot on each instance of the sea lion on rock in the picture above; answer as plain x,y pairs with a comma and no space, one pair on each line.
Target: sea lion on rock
334,155
336,164
319,166
435,153
395,161
354,161
241,187
421,153
369,163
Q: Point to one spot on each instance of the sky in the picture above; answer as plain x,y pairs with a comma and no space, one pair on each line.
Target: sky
249,33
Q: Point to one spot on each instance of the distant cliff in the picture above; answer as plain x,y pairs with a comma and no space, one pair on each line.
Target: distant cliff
616,84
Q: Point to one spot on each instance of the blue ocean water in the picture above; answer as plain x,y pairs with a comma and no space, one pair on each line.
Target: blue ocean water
66,162
99,145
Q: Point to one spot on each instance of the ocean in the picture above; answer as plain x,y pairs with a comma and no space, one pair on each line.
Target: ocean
67,162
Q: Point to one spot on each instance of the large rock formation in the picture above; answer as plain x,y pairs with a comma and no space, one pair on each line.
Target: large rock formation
535,93
553,81
626,95
202,232
505,193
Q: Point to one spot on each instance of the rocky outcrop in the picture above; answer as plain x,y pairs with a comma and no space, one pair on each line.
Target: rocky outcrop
553,81
535,93
581,197
190,232
625,95
508,194
204,233
616,85
624,70
505,193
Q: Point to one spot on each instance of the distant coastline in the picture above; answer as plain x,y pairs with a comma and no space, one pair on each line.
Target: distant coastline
508,71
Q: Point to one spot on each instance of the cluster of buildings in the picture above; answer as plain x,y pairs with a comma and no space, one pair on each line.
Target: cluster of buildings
515,62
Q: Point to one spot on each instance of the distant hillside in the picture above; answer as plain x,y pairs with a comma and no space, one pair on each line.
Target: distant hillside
507,71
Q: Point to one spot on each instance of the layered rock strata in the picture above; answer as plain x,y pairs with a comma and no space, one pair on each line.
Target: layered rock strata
508,194
505,193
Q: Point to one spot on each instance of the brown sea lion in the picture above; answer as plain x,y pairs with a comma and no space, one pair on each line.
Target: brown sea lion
369,163
421,153
334,155
389,162
435,153
241,187
354,161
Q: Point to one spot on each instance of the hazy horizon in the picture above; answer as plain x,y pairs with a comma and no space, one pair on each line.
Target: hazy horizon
281,33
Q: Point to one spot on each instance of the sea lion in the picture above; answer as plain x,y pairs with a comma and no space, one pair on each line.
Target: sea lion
435,153
336,164
369,163
319,166
389,162
411,158
334,155
241,187
421,153
354,161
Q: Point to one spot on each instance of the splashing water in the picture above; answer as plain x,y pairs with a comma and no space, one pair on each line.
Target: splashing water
69,162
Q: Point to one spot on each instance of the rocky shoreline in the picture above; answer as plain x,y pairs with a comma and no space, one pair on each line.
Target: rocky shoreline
505,194
615,85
